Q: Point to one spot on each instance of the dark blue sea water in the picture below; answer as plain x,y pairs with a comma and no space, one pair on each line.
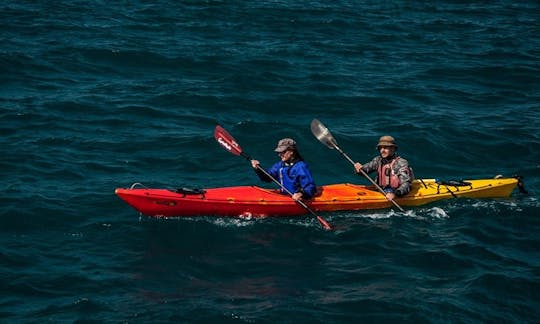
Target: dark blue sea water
97,95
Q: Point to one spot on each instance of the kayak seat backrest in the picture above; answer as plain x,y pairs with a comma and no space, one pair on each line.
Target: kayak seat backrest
190,191
454,183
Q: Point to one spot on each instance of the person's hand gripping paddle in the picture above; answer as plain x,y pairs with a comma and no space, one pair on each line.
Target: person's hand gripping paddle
324,136
229,143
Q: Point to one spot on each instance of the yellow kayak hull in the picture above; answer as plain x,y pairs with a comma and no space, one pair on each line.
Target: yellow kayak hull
354,197
430,190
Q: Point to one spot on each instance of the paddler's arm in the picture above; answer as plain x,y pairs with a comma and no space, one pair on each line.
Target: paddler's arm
367,167
405,179
257,167
307,187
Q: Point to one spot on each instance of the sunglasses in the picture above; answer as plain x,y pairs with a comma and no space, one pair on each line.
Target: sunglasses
281,153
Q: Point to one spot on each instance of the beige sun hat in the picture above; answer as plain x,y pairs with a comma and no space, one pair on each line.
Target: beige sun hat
386,140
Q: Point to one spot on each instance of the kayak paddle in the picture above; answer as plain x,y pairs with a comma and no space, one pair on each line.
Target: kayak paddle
324,136
229,143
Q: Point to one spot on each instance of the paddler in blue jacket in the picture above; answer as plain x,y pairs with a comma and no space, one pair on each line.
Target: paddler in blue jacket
292,171
394,175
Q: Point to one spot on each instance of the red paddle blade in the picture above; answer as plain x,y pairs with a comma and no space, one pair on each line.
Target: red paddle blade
324,223
227,141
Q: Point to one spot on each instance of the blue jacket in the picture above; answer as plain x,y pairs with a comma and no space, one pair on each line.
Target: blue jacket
296,177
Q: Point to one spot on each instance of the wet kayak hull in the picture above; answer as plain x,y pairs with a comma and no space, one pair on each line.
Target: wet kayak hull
253,201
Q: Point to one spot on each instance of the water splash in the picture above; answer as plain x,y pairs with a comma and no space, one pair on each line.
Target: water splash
437,212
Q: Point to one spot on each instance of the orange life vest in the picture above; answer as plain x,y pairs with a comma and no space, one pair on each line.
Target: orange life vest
387,176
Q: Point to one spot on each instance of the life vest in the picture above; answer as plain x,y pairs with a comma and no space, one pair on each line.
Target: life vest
387,176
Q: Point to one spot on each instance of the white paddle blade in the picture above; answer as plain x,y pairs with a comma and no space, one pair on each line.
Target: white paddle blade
323,134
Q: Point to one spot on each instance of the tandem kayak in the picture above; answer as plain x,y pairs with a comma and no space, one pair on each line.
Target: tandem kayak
253,201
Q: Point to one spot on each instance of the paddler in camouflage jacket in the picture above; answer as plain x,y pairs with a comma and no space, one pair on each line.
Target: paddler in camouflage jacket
394,175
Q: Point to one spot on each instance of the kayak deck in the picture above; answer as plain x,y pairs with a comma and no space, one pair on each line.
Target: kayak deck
259,202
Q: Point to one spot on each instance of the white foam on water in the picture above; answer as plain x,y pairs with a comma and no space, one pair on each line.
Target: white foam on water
437,212
232,221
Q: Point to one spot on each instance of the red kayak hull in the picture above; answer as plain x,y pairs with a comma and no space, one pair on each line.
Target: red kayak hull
252,201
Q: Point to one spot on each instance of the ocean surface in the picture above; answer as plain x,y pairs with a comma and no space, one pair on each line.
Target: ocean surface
97,95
